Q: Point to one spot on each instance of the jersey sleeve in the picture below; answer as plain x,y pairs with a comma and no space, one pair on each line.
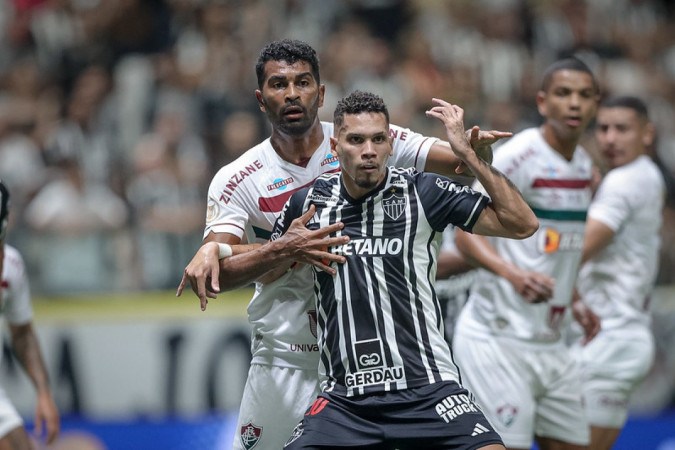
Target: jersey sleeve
224,213
410,148
447,202
611,204
18,308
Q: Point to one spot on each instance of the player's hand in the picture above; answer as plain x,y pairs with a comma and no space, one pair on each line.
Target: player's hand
452,116
312,246
481,142
484,139
589,321
47,415
534,287
202,274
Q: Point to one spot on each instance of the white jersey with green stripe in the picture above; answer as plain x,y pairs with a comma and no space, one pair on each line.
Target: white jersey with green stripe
559,193
618,282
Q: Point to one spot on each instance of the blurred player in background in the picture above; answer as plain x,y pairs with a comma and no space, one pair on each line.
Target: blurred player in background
15,306
621,251
508,338
244,200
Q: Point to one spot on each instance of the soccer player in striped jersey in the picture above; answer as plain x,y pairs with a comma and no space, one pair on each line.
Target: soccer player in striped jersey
244,200
16,308
388,379
508,335
621,254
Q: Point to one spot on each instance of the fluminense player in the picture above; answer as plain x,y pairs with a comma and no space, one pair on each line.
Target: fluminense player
388,379
15,307
508,337
244,200
621,250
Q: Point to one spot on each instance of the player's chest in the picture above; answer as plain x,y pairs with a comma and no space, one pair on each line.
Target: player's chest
553,185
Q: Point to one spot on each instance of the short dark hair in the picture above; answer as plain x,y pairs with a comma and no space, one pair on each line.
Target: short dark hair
4,210
358,102
627,101
571,63
289,50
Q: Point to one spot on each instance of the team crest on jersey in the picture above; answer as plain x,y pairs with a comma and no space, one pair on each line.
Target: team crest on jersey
394,205
297,432
250,435
507,414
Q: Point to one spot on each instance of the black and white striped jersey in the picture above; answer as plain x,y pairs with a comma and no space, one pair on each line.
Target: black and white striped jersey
380,327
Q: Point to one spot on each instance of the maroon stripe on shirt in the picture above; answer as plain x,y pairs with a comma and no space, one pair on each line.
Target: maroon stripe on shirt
276,203
561,183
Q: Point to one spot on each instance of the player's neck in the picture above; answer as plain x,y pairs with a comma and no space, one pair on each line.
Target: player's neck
297,149
563,145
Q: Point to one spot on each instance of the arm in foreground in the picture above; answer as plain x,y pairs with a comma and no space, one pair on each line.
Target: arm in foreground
264,262
297,244
508,215
443,160
27,350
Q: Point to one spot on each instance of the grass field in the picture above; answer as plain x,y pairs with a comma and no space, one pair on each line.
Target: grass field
129,305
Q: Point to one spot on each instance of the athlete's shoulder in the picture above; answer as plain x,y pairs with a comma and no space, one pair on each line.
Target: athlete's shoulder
514,155
642,173
252,160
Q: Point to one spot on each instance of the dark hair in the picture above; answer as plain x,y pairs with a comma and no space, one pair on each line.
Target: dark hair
567,64
289,50
4,209
627,101
358,102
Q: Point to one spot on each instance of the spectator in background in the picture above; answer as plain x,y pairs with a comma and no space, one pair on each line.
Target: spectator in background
71,217
165,194
508,338
15,305
621,248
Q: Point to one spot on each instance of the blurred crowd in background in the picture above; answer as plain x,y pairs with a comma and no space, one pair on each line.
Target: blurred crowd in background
115,114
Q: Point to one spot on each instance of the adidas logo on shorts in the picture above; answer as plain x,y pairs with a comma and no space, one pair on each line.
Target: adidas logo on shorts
479,429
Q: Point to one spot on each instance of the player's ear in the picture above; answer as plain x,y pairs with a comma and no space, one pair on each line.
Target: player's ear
261,100
333,146
648,135
322,93
541,103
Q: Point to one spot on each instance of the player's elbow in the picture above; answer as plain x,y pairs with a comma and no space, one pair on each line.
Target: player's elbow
526,227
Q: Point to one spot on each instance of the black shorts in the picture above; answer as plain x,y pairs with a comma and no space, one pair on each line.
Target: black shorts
436,416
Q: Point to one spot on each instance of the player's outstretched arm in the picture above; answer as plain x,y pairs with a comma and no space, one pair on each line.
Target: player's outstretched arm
298,244
443,160
27,350
203,271
534,287
507,215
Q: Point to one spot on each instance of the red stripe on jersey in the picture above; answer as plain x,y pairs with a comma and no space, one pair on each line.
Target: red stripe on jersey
561,183
4,284
276,203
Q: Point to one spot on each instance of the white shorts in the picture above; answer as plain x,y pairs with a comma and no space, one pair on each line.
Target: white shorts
524,392
274,401
9,418
613,364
